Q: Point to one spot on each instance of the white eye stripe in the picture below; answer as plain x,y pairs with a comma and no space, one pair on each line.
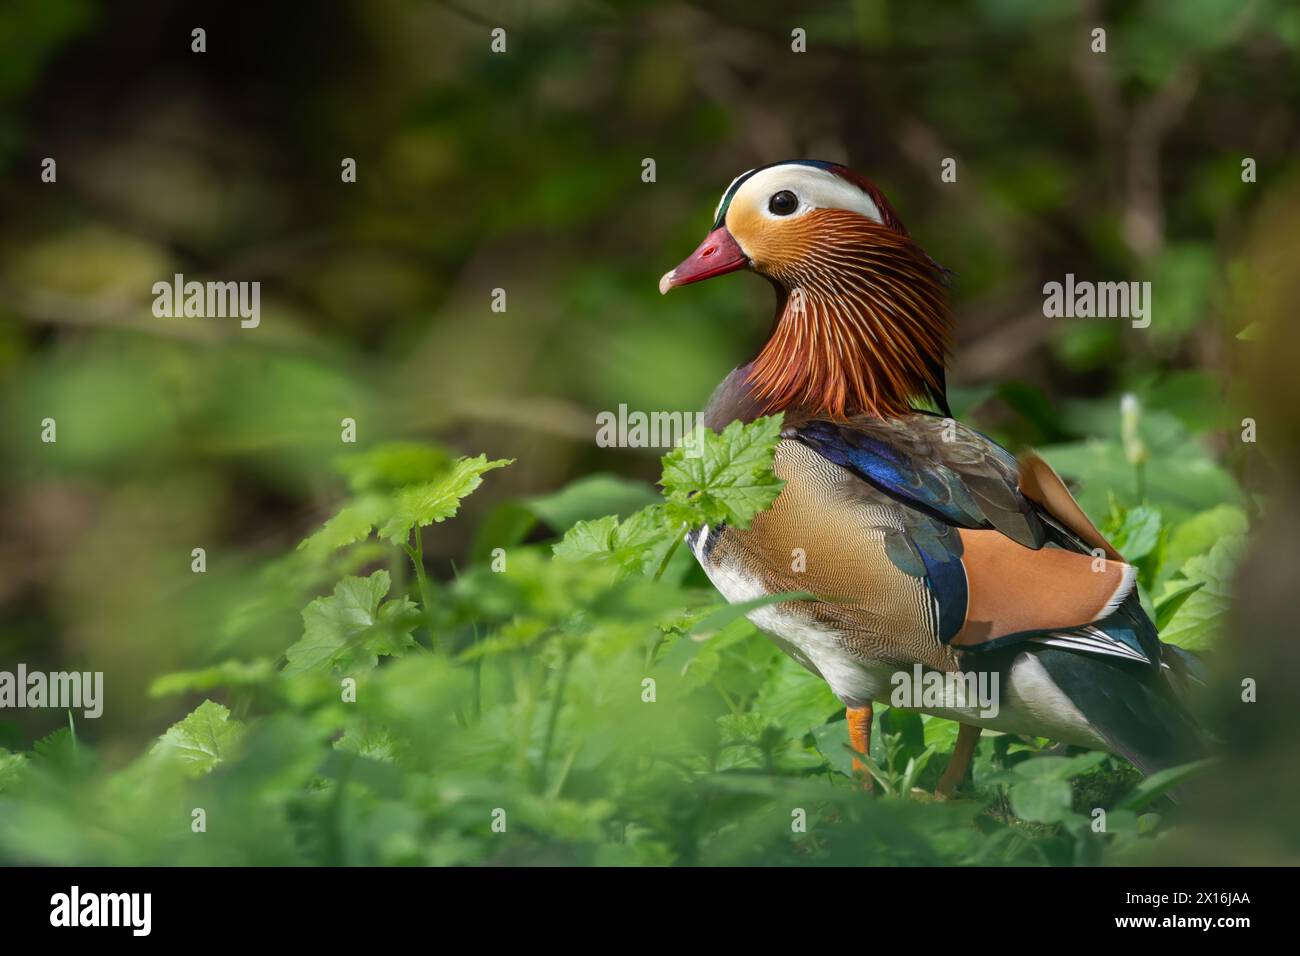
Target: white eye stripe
816,188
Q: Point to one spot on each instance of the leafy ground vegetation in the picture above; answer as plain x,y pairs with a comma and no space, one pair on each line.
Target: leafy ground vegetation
586,698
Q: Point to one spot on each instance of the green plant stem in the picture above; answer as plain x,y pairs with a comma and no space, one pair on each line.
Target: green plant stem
553,718
731,704
557,785
528,692
663,565
416,554
478,682
654,649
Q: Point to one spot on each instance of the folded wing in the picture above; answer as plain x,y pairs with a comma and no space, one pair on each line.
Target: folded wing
1025,563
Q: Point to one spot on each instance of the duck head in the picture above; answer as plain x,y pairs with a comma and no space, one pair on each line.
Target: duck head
862,322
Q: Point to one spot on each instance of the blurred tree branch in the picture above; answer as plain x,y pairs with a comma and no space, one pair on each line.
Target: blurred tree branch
1134,135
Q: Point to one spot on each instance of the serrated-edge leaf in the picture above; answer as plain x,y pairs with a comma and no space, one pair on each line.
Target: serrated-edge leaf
635,544
352,523
587,539
353,620
731,479
434,501
201,740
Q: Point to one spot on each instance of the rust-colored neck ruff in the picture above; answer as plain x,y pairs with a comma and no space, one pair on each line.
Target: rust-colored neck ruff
862,327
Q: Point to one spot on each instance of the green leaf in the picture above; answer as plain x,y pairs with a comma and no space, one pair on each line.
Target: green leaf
727,477
1041,800
12,768
1161,782
588,539
1057,768
1180,476
886,780
353,628
940,732
202,740
434,501
797,699
1138,534
60,752
225,674
376,744
353,523
698,661
1168,605
397,512
393,465
636,544
832,742
1199,533
1197,621
915,767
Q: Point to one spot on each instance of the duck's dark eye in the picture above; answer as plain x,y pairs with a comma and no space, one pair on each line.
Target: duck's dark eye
783,203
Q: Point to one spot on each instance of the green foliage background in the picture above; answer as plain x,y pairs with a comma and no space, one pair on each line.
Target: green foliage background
522,690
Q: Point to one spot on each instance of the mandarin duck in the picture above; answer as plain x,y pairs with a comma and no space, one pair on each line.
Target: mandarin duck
927,547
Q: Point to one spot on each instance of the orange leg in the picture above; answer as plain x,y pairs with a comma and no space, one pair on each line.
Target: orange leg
967,737
859,719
